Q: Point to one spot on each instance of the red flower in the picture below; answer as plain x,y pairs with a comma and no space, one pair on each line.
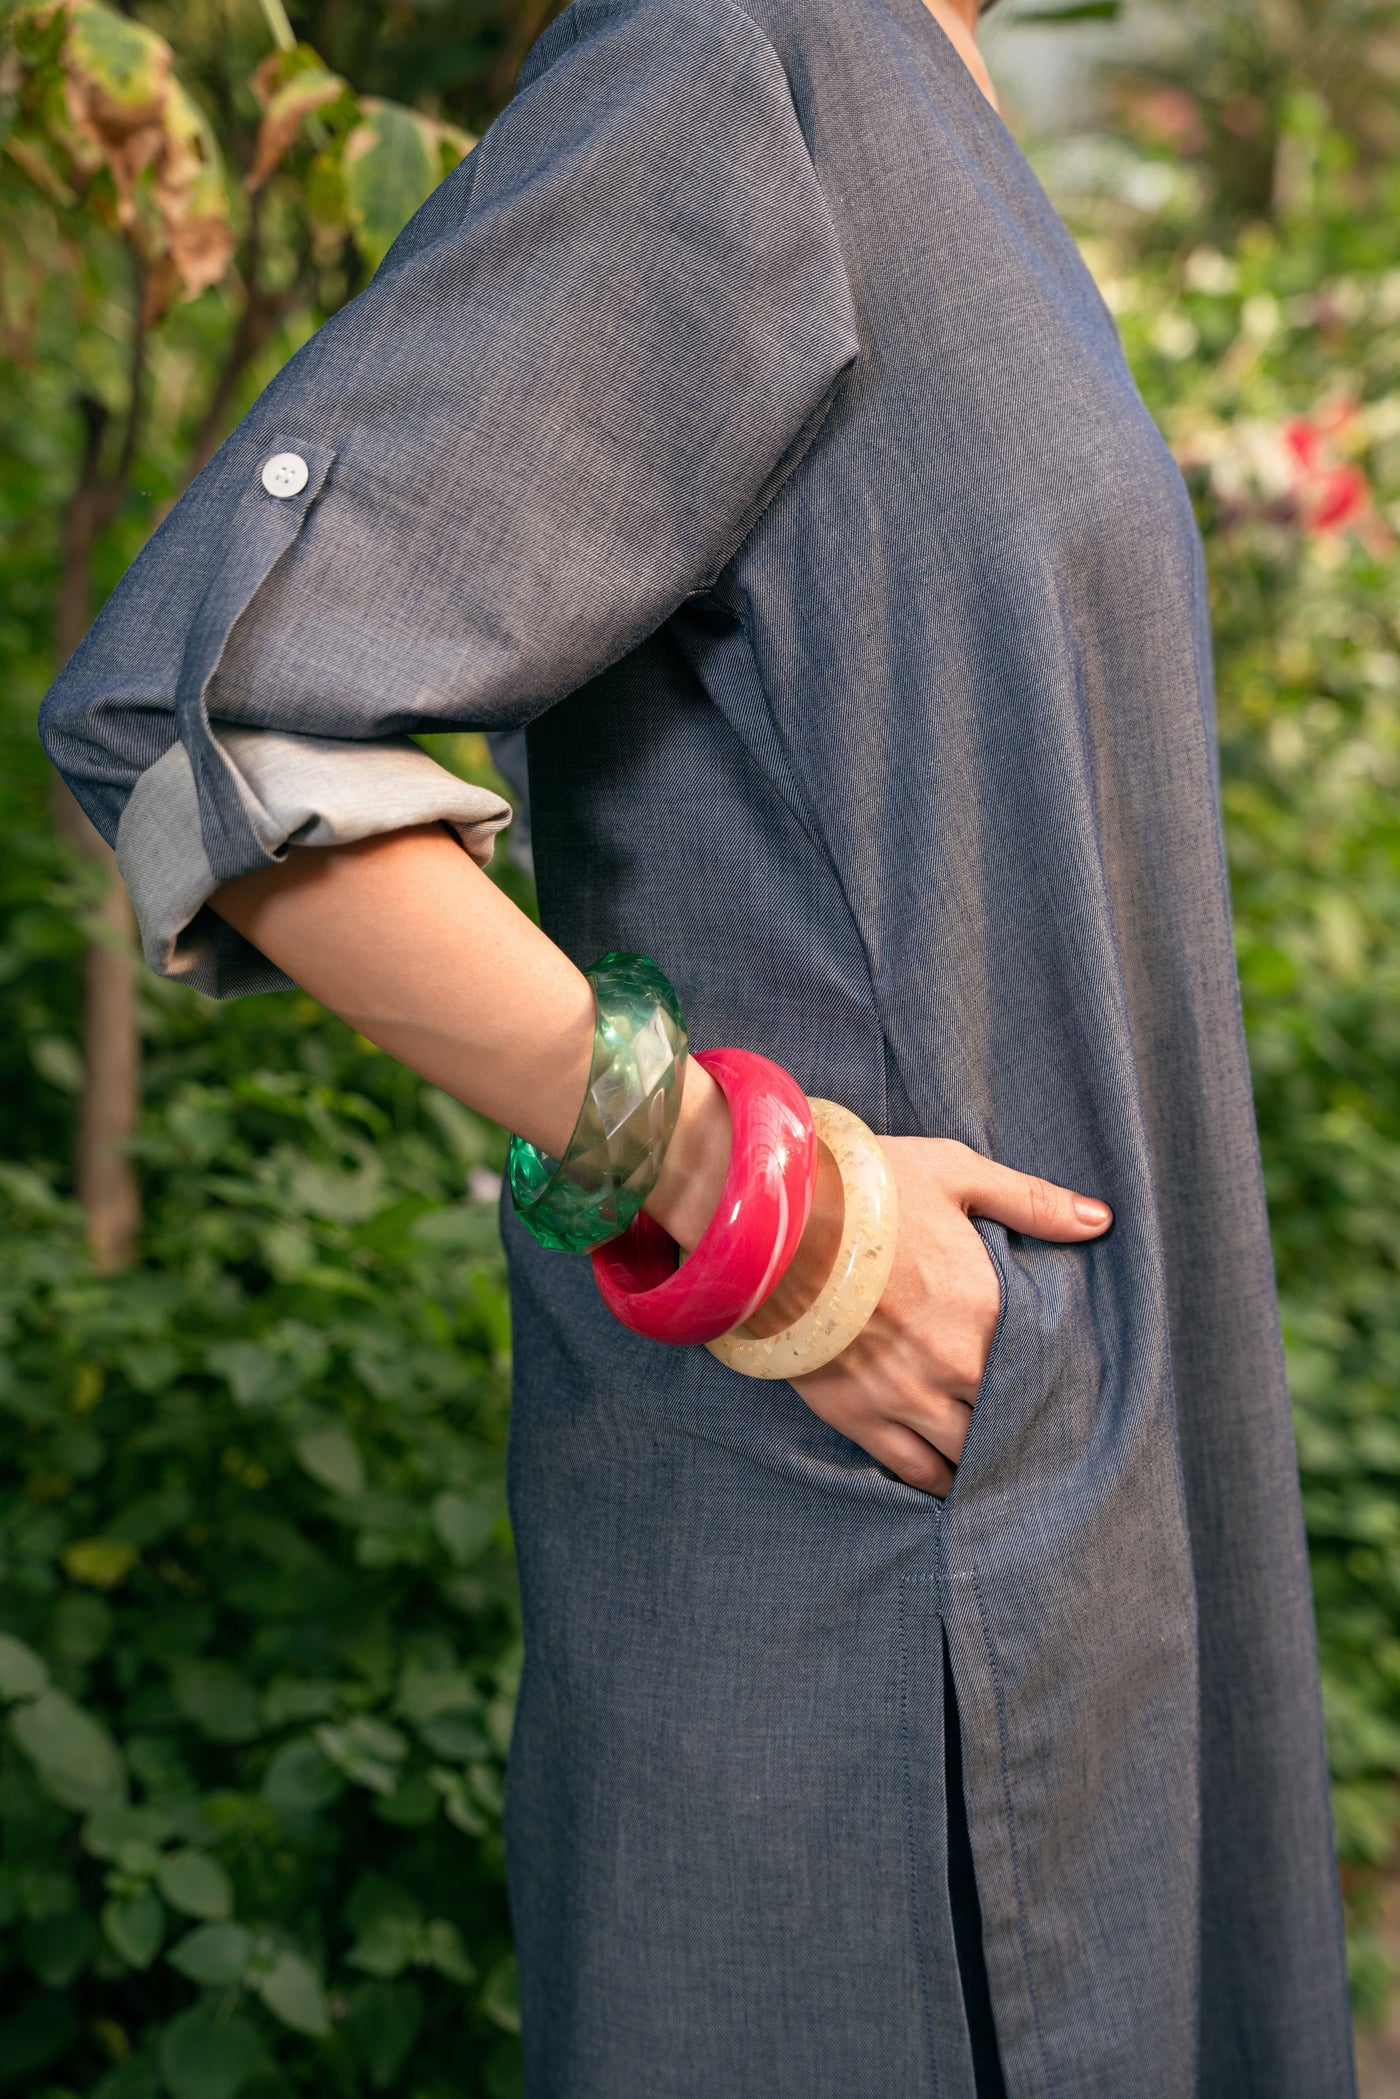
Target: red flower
1342,494
1329,493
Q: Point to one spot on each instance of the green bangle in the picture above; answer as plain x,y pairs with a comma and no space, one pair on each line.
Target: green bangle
627,1120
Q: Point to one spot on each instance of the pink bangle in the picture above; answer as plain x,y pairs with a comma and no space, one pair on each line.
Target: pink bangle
759,1219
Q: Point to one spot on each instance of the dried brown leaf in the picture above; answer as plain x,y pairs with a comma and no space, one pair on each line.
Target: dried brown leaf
117,78
130,116
285,110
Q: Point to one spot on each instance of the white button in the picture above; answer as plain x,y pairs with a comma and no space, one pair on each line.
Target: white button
286,475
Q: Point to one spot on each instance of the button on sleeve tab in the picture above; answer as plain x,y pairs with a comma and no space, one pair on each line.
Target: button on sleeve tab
285,474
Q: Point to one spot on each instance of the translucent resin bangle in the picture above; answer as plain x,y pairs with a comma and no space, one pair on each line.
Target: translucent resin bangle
848,1297
627,1120
754,1232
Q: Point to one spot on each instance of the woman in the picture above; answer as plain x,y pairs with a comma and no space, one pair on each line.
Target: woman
740,417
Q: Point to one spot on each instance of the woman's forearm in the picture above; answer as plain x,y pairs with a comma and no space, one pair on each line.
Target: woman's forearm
409,941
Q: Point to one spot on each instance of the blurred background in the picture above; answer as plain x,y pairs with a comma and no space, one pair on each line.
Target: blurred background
258,1637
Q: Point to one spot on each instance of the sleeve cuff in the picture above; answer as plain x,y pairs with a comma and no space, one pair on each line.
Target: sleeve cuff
297,790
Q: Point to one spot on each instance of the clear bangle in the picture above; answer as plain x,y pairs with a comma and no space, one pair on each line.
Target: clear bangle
848,1297
627,1120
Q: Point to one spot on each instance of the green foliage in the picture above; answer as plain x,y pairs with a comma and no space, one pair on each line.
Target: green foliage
106,134
260,1637
1272,360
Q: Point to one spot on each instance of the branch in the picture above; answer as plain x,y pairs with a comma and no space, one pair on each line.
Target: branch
263,313
279,27
136,396
81,525
533,20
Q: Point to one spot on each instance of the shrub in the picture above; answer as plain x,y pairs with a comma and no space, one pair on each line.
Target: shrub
260,1637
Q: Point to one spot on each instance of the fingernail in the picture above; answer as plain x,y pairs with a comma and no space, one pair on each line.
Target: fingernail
1090,1212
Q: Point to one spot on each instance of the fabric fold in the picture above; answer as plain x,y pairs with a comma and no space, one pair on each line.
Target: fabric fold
294,790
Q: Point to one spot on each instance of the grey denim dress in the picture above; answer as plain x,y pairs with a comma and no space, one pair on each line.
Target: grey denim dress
741,419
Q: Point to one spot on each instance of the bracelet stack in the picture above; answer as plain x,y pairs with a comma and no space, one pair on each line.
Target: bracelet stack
590,1201
627,1120
869,1229
754,1233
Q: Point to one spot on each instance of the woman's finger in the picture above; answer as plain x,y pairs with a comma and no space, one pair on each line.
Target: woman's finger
1027,1204
942,1422
917,1463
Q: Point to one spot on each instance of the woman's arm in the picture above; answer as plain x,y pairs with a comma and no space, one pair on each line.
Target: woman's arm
406,938
410,942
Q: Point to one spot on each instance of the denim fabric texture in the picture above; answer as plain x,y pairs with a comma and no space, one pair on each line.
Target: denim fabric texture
741,422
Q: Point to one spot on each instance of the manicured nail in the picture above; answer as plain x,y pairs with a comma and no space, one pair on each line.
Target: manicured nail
1090,1212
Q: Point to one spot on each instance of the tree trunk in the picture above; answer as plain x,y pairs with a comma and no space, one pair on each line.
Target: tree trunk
111,1043
111,1096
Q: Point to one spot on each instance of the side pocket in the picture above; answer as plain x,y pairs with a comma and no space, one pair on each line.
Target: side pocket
1045,1367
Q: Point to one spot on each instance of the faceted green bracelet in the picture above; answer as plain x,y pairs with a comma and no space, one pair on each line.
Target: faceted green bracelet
627,1120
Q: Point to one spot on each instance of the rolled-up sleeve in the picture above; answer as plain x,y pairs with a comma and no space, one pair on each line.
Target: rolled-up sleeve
554,414
296,790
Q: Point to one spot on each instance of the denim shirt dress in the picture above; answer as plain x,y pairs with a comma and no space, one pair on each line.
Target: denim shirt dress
740,420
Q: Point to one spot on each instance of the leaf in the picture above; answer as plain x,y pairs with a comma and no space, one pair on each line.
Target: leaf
461,1811
285,109
424,1693
387,1947
116,74
194,1883
457,1736
152,1517
292,1991
80,1627
222,1704
377,1737
99,1563
138,1859
59,1061
215,1955
135,1926
1083,11
332,1459
464,1524
330,1192
445,1952
300,1781
153,1368
375,1897
111,1831
366,1751
130,115
127,65
462,1228
134,2079
500,1995
255,1374
389,172
204,2057
300,1698
22,1673
466,1133
88,1382
56,1949
34,2036
76,1758
383,2020
412,1805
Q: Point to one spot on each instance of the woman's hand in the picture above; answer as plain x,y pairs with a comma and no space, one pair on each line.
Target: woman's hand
905,1388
